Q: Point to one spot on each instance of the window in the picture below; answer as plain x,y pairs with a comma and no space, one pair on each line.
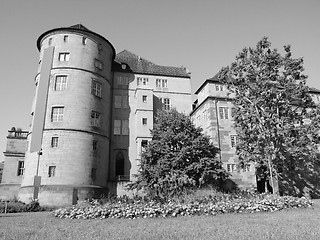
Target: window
20,168
117,101
50,41
166,103
158,82
65,38
246,168
100,48
95,119
64,57
205,114
52,171
94,145
223,112
142,81
121,127
98,64
144,98
117,127
57,114
60,83
219,87
123,80
233,112
125,101
234,140
161,83
84,40
121,101
125,127
164,83
144,121
96,88
144,144
232,167
54,142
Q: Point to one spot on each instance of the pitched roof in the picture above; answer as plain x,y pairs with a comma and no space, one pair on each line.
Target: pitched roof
314,90
214,79
141,65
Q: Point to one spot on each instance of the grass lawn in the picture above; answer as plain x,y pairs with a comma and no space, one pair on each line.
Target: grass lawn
288,224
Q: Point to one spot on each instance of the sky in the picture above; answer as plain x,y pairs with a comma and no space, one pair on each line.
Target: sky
201,35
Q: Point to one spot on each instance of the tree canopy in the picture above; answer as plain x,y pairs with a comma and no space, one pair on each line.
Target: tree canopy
178,158
275,118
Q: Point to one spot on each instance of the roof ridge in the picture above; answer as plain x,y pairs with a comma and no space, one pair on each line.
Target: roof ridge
79,26
141,65
136,56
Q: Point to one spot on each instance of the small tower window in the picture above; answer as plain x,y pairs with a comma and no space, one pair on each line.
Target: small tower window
100,48
84,40
52,171
95,119
65,38
57,114
50,41
94,145
54,142
96,88
64,57
60,83
98,64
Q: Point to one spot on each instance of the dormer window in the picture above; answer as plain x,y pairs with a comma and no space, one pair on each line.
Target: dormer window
219,87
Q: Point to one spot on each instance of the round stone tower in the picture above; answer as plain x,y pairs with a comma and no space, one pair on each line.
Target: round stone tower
73,159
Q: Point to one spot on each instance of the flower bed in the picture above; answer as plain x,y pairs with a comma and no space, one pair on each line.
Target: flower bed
151,209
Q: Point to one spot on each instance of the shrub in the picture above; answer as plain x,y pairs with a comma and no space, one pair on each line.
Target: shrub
15,206
12,206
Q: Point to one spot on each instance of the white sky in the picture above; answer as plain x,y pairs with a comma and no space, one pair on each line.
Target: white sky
202,35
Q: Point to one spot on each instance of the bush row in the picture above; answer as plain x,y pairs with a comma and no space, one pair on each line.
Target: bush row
14,206
151,209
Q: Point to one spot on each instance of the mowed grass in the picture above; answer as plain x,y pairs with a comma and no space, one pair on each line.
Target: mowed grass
288,224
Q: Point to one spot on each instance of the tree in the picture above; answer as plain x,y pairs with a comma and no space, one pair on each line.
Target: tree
274,116
179,158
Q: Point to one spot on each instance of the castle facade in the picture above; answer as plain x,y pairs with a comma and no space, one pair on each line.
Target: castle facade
91,118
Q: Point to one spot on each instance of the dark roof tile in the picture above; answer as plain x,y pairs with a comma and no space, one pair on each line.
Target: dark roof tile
141,65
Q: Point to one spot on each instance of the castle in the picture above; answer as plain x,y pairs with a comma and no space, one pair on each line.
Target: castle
91,118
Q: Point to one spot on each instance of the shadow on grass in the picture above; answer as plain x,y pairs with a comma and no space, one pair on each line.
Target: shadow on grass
10,215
